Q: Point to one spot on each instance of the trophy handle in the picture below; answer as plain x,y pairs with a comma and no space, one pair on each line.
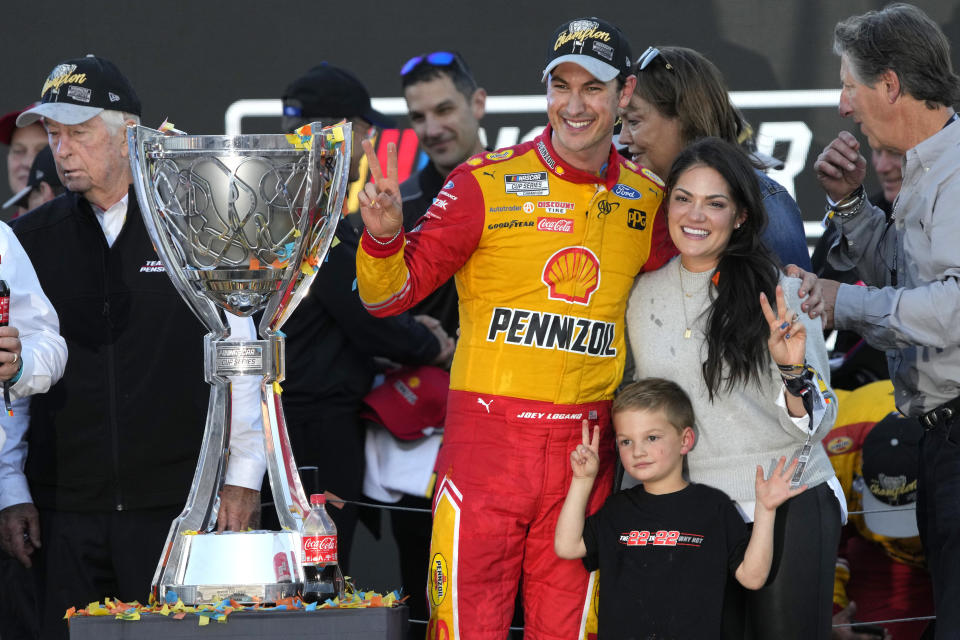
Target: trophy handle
327,193
138,143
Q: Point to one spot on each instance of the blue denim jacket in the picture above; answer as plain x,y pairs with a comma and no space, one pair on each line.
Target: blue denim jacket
784,234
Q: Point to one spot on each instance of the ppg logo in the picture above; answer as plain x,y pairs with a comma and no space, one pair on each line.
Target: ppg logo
624,191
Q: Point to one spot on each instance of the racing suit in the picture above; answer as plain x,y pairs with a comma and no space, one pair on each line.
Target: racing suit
544,256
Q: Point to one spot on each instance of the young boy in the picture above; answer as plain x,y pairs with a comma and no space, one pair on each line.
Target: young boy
664,548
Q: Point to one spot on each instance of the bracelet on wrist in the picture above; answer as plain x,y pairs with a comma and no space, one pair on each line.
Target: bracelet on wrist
849,206
791,368
383,243
851,199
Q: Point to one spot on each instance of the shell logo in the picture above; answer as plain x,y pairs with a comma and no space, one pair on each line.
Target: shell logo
572,274
439,579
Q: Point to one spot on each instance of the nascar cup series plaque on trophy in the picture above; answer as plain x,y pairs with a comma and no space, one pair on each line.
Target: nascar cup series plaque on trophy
241,224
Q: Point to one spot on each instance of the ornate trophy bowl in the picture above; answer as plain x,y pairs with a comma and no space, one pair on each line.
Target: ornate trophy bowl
242,224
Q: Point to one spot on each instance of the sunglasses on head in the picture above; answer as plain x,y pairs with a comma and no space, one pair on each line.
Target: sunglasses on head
647,57
437,58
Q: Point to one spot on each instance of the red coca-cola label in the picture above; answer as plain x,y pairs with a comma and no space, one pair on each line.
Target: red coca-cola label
559,225
4,311
281,567
319,549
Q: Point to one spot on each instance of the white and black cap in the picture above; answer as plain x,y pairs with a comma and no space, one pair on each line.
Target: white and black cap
79,89
890,471
594,44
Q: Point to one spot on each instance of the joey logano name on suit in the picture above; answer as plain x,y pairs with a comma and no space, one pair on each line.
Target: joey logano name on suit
552,331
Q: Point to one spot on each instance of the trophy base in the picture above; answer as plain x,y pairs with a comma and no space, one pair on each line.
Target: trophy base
247,566
245,594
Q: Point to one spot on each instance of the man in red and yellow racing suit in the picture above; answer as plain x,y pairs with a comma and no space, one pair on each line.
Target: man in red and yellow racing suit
544,254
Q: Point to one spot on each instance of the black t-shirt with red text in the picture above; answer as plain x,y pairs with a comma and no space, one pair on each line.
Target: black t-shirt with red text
664,562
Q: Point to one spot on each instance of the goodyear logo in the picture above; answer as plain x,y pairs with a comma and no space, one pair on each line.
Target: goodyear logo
439,579
552,331
511,224
626,191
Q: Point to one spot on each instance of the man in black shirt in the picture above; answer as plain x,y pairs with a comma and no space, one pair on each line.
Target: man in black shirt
331,340
445,106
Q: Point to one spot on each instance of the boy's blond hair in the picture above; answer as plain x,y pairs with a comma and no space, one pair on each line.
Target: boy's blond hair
655,394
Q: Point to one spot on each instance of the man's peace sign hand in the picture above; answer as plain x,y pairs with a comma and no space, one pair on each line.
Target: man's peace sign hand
380,203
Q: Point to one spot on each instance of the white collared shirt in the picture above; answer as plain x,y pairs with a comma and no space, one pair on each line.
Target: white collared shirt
111,219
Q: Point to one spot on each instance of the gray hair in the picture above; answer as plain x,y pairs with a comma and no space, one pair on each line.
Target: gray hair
903,39
117,121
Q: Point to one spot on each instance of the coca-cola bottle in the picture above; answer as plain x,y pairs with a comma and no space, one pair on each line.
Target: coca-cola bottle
322,578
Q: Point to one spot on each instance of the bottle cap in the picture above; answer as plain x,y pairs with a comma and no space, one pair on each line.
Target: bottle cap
318,498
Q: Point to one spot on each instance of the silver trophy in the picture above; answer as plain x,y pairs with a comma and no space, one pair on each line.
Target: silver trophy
241,223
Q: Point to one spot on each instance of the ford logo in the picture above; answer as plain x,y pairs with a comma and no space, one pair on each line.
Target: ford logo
624,191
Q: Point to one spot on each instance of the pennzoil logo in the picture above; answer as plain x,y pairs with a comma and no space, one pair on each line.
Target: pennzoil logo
545,330
839,444
548,159
499,155
62,74
572,275
580,30
439,579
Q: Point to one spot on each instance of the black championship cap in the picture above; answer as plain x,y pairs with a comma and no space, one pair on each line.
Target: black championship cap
79,89
327,91
43,169
594,44
891,459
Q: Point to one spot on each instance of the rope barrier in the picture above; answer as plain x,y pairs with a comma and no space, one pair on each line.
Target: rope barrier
387,507
390,507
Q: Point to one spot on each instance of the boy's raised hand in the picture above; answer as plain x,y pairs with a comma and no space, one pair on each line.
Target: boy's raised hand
776,490
585,459
380,204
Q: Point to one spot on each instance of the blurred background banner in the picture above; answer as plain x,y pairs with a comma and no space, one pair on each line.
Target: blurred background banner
219,67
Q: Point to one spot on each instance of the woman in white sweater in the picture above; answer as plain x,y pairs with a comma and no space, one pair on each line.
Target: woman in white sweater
716,321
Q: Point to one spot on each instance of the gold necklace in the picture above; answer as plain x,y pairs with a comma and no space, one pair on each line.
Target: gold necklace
687,332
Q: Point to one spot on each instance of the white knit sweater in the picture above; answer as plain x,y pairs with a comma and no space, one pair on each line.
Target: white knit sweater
739,429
